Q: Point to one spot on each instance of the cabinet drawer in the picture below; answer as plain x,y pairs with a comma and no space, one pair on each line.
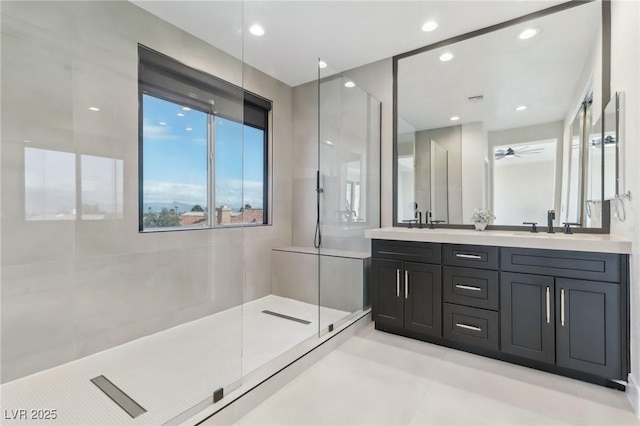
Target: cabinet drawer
407,251
564,264
473,326
471,287
485,257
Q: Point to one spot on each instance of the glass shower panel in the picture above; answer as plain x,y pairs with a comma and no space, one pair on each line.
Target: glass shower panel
349,166
84,294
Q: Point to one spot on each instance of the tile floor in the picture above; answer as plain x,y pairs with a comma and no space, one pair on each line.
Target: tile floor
379,378
167,372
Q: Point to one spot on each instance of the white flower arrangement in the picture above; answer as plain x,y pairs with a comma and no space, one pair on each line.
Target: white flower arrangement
482,216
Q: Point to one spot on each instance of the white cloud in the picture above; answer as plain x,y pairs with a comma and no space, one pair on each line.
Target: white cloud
236,193
156,132
167,192
230,192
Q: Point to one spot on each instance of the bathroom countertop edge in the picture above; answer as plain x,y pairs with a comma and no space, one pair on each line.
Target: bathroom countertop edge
602,243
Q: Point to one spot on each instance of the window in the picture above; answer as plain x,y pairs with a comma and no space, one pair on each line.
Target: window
203,149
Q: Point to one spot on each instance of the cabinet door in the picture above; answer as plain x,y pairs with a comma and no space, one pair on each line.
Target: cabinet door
386,292
423,298
588,326
526,316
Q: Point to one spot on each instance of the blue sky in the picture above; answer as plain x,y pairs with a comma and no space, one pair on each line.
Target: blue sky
175,157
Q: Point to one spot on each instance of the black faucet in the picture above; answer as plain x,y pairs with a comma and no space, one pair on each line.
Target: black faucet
433,223
427,216
567,227
551,215
410,222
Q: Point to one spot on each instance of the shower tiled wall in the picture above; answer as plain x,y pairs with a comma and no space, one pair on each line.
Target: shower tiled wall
73,285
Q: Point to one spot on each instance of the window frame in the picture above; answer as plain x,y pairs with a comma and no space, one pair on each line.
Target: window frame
165,78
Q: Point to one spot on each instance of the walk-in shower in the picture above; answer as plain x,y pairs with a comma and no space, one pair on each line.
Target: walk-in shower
114,309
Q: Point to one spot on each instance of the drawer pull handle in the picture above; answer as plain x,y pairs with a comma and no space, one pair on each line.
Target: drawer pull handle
406,284
548,297
468,287
468,256
468,327
562,307
397,282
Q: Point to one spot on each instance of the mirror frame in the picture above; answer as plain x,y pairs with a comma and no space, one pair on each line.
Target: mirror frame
606,95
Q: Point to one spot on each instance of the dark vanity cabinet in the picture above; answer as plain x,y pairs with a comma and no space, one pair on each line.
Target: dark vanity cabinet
561,311
572,317
527,314
588,332
406,289
470,295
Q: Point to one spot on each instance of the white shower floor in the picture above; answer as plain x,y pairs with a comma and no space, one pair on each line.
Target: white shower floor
167,372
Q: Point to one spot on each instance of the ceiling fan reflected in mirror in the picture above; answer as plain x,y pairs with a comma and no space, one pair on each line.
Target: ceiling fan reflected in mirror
499,154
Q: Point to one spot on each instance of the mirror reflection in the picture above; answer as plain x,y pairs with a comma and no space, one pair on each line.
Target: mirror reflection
503,121
611,147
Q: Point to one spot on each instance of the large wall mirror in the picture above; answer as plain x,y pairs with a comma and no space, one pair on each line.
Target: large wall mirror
507,118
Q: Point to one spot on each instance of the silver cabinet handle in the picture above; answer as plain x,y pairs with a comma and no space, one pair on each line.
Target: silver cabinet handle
397,282
548,296
468,327
468,287
468,256
562,307
406,284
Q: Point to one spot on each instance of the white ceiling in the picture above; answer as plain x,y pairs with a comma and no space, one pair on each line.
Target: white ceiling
544,73
345,34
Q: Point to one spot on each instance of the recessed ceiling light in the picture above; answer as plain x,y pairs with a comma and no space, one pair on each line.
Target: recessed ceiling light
430,26
446,57
256,30
162,123
94,109
186,109
322,64
328,142
180,114
27,141
349,84
521,108
528,33
454,118
188,129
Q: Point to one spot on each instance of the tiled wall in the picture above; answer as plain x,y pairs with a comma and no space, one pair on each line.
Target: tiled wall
349,131
625,68
73,286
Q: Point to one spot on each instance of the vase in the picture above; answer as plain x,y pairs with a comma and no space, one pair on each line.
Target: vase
480,226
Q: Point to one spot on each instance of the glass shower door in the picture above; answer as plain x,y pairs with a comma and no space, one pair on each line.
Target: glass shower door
349,169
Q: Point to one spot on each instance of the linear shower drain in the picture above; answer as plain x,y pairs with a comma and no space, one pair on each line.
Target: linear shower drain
123,400
279,315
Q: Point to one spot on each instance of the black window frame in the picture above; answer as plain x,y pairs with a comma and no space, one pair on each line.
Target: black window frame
165,78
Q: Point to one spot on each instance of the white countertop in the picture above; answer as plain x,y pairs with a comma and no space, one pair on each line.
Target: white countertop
603,243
